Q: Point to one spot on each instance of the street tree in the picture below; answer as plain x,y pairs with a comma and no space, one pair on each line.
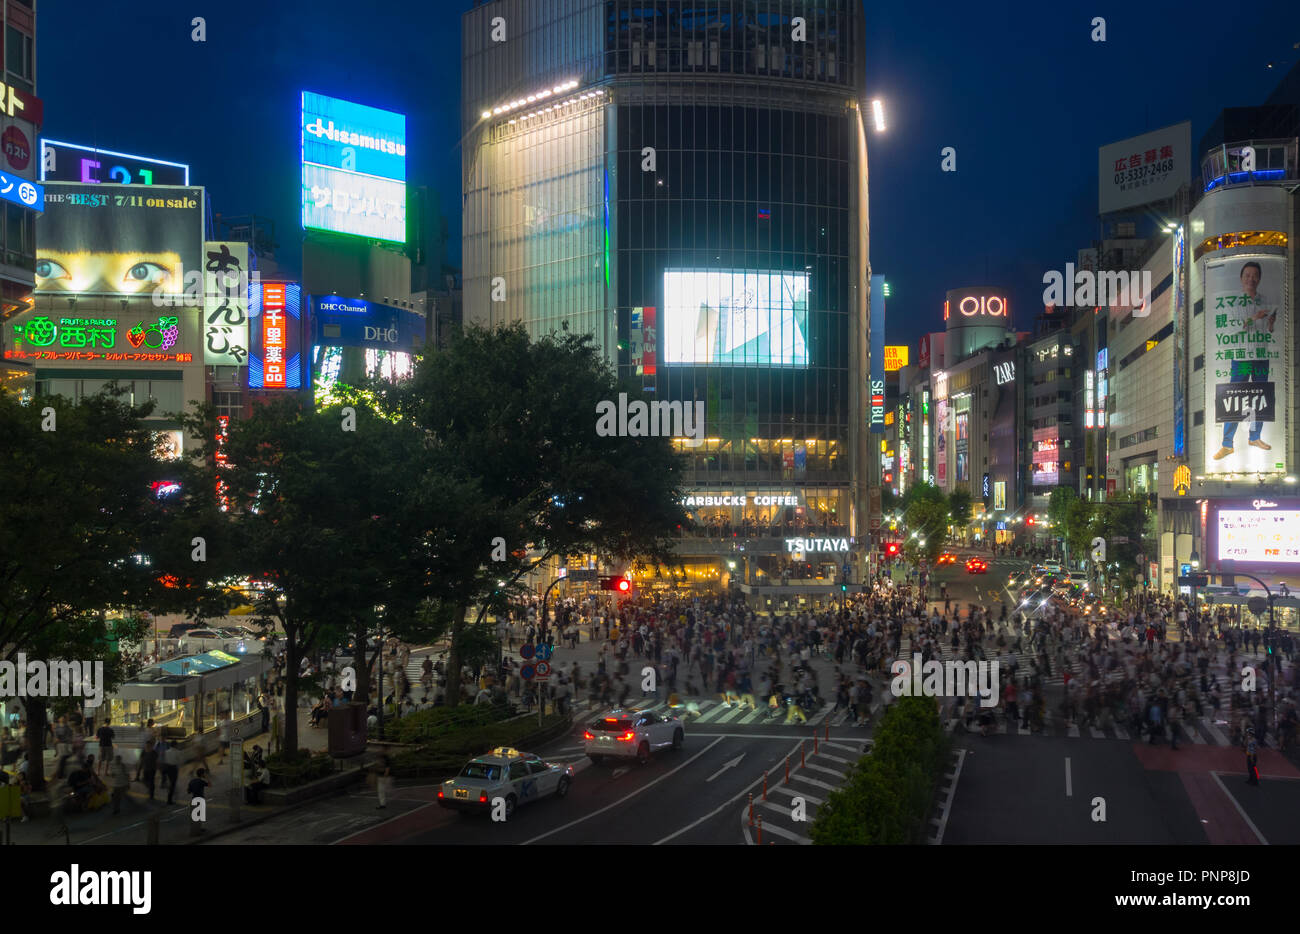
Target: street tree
80,524
517,418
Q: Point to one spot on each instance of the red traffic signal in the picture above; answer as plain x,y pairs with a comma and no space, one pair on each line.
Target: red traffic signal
1029,520
620,584
891,549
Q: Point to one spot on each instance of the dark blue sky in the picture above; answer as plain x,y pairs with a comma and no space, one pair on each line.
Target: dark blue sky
1019,90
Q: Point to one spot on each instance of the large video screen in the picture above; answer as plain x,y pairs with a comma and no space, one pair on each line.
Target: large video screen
718,317
353,168
118,240
1269,536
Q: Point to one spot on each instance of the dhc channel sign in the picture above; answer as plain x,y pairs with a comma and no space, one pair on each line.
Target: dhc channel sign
354,322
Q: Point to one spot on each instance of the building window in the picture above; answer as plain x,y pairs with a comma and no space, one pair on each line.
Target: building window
1199,307
1199,362
18,53
1198,418
228,403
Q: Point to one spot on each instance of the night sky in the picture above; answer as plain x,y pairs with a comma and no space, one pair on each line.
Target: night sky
1019,90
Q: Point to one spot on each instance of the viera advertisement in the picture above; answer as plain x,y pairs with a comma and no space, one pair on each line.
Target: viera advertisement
734,318
118,240
1246,339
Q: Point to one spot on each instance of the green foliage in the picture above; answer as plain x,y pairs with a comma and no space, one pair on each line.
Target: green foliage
959,507
428,725
298,768
888,792
925,511
448,752
1123,522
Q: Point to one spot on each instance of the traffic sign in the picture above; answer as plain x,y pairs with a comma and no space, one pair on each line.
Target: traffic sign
579,575
1194,580
543,669
526,672
544,650
526,651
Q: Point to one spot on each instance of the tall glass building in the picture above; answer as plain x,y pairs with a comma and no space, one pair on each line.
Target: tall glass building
688,183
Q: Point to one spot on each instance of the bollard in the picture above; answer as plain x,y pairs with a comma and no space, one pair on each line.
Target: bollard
815,746
787,770
828,732
751,810
764,786
760,831
803,754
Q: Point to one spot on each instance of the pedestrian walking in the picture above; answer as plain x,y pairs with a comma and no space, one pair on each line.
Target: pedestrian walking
105,736
170,766
119,780
148,766
198,788
383,780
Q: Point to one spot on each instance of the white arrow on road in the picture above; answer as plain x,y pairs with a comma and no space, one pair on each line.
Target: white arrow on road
726,765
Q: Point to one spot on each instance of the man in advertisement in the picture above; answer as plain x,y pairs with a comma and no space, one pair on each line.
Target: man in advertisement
1243,335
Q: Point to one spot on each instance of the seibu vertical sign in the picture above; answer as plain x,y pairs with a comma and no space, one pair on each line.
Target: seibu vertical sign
876,417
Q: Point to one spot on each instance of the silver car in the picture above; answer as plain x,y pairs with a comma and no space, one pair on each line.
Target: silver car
632,734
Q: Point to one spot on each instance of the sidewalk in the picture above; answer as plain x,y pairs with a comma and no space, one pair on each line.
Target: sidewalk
131,826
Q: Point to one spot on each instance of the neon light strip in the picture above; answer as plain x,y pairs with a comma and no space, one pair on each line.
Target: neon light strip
109,152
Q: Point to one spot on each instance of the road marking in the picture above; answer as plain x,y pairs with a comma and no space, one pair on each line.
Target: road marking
1214,732
821,768
816,781
1069,780
952,793
789,835
1073,731
382,823
713,714
800,793
1249,823
626,797
719,809
1119,731
827,755
1096,733
623,770
731,764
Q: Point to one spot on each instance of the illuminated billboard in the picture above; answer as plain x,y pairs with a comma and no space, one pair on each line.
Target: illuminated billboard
733,318
135,338
274,318
70,162
353,168
896,357
1143,169
225,303
100,240
1247,330
1262,535
358,323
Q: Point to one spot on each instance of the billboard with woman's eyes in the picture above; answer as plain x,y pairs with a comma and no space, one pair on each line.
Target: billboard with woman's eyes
118,239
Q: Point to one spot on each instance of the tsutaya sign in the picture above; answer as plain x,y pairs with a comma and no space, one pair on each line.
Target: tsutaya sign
741,499
816,544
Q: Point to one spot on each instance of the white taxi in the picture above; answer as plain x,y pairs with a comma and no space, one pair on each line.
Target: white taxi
514,776
631,734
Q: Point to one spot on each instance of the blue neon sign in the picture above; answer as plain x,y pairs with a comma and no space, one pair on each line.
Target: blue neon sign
22,192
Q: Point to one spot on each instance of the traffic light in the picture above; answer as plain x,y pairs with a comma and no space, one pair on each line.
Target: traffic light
1029,520
618,584
891,549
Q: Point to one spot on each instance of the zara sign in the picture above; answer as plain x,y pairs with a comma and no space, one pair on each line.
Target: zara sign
1004,373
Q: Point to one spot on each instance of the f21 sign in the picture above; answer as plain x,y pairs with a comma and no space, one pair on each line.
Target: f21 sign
70,162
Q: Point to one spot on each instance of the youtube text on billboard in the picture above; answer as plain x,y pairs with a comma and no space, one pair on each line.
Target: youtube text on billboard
1247,328
118,240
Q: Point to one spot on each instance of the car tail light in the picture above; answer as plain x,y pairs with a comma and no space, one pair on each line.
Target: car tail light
482,797
587,734
627,737
439,792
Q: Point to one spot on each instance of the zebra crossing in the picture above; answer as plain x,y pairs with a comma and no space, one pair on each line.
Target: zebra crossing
1195,731
701,711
